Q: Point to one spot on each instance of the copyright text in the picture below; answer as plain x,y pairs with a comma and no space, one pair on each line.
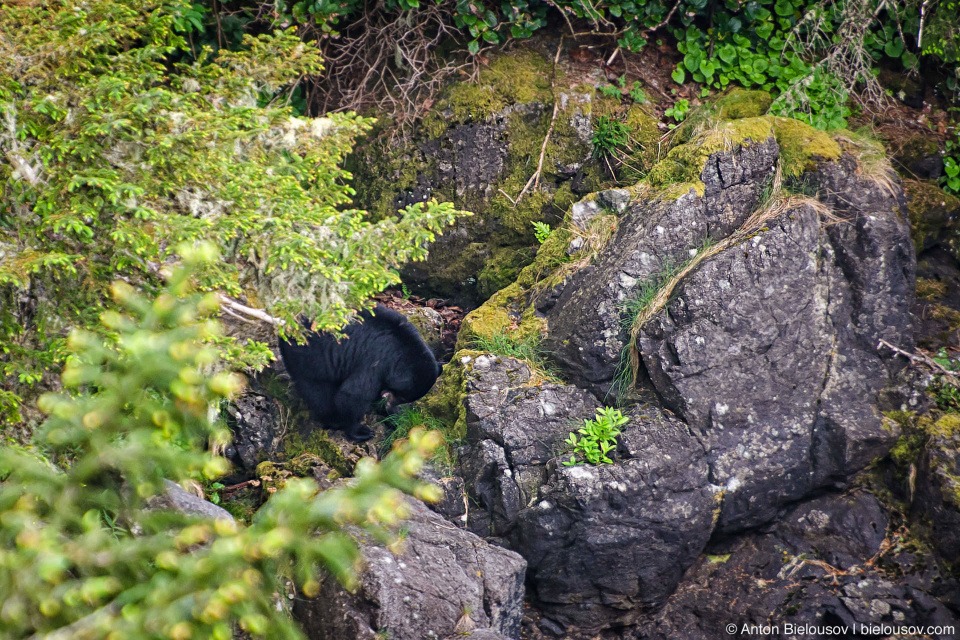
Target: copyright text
882,630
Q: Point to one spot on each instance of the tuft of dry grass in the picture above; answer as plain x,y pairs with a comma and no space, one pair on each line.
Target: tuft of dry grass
873,161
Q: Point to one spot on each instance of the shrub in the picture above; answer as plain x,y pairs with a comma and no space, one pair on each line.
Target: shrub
122,146
80,555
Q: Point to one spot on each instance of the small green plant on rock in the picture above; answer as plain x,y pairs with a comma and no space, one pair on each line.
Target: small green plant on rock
679,110
950,182
946,393
637,94
542,231
608,135
597,438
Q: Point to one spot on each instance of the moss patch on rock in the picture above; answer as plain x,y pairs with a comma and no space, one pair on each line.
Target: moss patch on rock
684,163
930,210
498,124
319,445
518,78
733,104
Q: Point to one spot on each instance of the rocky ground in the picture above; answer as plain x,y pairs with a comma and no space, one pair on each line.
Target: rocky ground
758,297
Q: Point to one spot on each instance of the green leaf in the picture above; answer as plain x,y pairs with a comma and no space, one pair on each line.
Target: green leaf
727,53
679,75
893,48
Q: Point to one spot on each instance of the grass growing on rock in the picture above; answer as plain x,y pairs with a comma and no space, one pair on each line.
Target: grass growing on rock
521,347
650,293
412,416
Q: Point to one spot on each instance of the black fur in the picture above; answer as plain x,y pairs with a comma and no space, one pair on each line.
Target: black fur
340,380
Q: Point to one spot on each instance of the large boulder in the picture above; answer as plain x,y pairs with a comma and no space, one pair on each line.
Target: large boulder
767,347
515,425
938,485
603,543
769,350
761,316
606,543
445,580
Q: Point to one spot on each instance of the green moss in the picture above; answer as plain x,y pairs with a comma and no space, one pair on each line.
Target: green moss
930,210
930,289
502,269
801,146
517,78
318,444
915,149
734,104
741,103
685,163
947,426
494,316
645,134
445,400
243,504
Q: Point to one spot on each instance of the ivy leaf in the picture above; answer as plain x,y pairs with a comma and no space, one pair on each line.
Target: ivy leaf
679,75
893,48
727,53
783,8
473,47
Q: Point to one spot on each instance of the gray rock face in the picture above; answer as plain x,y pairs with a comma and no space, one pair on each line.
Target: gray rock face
585,323
769,350
603,543
606,543
813,569
938,489
443,576
253,422
176,498
513,429
767,354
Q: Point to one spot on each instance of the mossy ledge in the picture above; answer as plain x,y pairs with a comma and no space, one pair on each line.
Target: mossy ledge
801,147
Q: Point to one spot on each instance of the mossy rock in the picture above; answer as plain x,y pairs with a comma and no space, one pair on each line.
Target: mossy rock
478,149
733,104
317,445
801,148
931,211
742,103
645,133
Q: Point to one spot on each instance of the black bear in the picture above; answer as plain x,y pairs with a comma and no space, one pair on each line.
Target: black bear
339,380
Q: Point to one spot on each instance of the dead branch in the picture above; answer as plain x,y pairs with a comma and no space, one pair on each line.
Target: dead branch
921,358
232,305
535,178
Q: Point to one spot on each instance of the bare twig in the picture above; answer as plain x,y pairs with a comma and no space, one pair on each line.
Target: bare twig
920,358
535,178
259,314
235,487
507,196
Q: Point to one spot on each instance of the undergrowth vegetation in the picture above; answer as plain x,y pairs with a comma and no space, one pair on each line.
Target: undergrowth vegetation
410,417
121,145
525,347
816,55
83,556
597,438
